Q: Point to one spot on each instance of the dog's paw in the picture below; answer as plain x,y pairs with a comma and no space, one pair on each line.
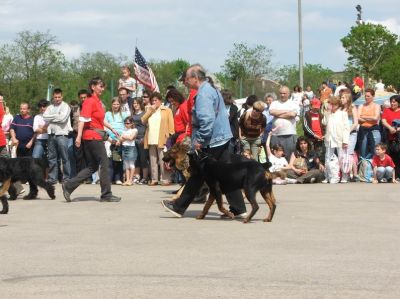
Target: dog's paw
267,220
200,217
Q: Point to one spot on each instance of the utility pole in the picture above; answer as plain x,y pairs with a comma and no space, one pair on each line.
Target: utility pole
300,47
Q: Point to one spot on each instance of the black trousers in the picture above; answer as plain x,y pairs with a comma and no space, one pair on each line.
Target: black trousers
194,184
95,157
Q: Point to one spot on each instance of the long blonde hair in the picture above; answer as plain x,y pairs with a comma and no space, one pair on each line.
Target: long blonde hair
348,107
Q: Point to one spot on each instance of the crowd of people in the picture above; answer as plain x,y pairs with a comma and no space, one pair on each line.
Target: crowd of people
125,145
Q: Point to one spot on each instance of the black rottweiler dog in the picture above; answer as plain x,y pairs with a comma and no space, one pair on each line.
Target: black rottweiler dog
23,169
240,173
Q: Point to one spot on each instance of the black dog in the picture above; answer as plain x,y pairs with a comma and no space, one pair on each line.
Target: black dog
24,169
239,173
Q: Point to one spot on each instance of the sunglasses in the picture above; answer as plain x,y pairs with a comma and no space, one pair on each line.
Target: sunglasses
256,110
128,123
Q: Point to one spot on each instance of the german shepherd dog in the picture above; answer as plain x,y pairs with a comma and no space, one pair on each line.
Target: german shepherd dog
240,173
177,157
24,169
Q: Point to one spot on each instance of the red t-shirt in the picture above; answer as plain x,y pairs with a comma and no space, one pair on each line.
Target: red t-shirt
387,161
315,123
359,82
92,108
389,115
2,136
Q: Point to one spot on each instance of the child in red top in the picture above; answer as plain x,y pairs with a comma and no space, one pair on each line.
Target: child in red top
383,165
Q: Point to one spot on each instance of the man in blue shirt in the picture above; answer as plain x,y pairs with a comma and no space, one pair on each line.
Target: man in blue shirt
21,131
211,133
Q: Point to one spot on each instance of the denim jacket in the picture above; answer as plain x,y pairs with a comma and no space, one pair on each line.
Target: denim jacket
210,121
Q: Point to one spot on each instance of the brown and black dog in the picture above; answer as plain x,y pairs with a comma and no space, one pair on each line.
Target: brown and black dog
240,173
25,169
177,157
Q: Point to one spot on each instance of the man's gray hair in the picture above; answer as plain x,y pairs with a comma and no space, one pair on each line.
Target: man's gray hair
197,71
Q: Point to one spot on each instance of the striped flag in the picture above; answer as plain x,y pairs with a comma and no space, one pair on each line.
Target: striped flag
143,72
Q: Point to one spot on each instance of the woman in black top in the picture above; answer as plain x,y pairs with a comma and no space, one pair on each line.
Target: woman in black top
142,161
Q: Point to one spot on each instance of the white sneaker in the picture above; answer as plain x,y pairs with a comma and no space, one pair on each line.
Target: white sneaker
383,180
118,182
325,181
343,181
241,216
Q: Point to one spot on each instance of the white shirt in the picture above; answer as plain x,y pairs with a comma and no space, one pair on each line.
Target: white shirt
39,122
277,163
154,127
284,126
380,86
129,134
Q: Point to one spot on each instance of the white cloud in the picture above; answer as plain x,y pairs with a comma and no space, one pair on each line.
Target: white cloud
70,50
391,23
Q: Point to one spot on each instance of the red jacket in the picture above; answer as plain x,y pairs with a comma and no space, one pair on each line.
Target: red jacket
181,121
190,106
2,136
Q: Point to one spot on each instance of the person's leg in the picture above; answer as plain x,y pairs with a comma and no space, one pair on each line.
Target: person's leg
62,149
388,173
245,145
38,149
71,156
363,147
85,173
191,188
153,163
380,173
53,159
255,144
165,174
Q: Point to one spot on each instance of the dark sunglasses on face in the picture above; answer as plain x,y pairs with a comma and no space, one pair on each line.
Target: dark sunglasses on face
128,123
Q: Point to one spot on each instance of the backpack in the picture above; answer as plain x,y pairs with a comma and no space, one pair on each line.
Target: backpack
365,170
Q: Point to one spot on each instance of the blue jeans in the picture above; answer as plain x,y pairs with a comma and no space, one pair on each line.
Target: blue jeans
40,148
368,150
58,150
71,156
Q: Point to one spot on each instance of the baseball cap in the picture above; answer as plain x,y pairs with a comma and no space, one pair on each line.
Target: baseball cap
315,103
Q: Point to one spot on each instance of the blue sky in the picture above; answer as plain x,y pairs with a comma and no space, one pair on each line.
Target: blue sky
197,31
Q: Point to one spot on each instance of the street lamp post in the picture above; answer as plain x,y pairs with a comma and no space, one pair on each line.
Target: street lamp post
300,47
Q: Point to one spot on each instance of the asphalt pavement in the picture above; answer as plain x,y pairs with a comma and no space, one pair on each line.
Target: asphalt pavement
325,241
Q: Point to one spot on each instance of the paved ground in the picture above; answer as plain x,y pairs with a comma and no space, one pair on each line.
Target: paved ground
326,241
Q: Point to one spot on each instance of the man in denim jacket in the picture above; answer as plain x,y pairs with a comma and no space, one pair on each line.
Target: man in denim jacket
211,133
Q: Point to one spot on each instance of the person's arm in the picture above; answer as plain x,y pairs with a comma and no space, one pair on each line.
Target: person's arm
109,126
149,112
287,114
78,139
267,144
14,140
394,177
346,130
355,119
374,180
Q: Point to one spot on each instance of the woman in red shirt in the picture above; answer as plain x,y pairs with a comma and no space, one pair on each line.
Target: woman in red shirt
91,124
181,118
393,131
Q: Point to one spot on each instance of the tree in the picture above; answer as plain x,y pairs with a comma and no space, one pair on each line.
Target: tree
168,72
367,45
247,65
389,69
314,74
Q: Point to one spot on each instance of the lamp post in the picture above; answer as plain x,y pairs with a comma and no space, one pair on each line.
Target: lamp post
359,20
300,46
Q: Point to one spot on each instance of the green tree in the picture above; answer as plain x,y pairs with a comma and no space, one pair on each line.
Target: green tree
389,69
168,72
313,74
367,45
245,65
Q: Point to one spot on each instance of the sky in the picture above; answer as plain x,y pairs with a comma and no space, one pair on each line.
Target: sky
197,31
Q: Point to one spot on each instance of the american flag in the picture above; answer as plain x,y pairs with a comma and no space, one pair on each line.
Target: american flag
143,72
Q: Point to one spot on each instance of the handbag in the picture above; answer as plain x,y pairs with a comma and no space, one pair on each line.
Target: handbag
346,162
300,163
116,153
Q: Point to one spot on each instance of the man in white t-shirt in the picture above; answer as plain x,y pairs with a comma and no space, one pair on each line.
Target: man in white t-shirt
284,124
380,87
